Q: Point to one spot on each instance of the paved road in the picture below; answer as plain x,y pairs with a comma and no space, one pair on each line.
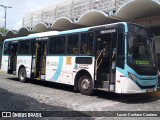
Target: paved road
47,96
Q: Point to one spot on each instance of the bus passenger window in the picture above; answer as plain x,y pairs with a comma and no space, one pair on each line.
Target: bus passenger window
24,47
86,43
57,45
72,46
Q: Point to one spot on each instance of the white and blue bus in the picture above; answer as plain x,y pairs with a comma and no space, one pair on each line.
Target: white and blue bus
117,57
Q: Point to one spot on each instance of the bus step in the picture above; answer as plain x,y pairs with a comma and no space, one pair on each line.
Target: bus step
105,84
112,87
37,78
105,77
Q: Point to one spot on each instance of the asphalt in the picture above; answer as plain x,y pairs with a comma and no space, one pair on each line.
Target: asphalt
47,96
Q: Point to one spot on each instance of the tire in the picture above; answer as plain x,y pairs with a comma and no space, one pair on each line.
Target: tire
85,85
22,76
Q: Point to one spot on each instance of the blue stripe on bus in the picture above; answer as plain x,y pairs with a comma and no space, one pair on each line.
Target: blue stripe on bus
20,38
74,31
59,69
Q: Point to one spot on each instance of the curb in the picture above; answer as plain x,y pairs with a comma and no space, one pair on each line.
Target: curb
155,94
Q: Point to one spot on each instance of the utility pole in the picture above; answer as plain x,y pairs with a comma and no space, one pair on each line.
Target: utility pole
5,23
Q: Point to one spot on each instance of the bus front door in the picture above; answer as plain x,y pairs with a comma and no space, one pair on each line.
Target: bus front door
12,61
39,60
104,61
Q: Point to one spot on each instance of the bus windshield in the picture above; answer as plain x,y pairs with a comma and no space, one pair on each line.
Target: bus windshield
141,50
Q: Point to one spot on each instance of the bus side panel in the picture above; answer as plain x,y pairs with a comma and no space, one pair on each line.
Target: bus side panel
120,78
26,62
55,68
88,67
63,69
69,63
49,68
72,68
4,64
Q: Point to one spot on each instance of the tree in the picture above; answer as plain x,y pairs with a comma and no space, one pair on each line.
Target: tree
2,30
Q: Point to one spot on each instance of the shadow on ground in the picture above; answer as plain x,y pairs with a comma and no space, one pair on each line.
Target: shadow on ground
129,98
124,98
14,102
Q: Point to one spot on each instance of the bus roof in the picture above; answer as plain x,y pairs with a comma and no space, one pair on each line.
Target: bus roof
20,38
49,33
44,34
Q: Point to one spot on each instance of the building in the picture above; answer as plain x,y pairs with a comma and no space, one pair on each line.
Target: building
72,9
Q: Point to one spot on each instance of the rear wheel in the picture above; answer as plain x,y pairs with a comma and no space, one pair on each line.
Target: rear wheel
85,85
22,75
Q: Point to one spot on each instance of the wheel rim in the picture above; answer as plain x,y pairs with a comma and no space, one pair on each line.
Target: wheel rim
22,75
85,84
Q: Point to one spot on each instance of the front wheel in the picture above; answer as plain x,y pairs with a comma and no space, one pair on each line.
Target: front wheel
85,85
22,75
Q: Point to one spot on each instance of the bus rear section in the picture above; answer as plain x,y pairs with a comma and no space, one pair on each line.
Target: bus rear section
5,56
9,57
17,55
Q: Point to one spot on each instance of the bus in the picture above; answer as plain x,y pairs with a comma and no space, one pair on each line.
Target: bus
118,57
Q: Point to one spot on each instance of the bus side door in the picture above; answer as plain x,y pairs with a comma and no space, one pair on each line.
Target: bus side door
12,61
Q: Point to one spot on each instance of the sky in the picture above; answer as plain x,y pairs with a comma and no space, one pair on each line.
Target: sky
19,9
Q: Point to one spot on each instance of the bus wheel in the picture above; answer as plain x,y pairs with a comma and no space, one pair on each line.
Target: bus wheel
22,75
85,85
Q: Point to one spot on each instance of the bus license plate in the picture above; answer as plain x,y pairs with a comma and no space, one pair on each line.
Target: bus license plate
150,90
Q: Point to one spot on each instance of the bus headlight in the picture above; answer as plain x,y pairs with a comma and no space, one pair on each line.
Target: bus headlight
133,77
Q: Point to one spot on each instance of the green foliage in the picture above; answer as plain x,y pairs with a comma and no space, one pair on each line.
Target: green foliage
2,30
